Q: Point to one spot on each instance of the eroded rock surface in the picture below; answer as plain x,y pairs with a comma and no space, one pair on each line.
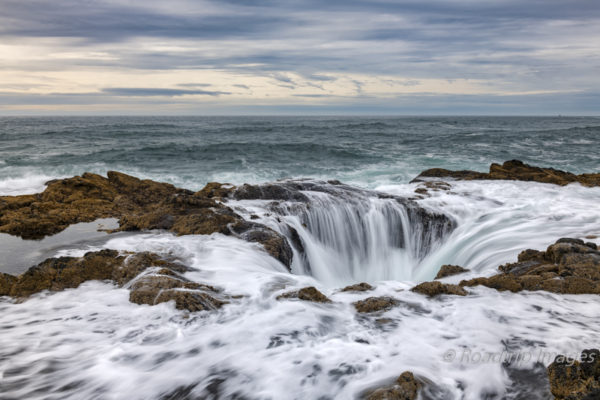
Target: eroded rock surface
375,304
450,270
138,204
151,280
514,170
576,380
569,266
358,287
435,288
406,387
309,293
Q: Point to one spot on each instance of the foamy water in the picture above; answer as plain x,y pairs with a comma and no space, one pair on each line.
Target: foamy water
91,342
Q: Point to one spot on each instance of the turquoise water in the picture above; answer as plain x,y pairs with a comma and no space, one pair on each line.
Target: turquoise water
363,151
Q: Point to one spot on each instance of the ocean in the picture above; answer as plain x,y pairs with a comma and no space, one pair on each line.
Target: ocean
363,151
92,343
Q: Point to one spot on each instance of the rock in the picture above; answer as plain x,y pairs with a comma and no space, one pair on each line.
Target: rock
190,300
576,380
449,270
436,288
406,387
308,294
216,190
191,296
375,304
139,205
514,170
568,266
166,284
6,283
359,287
57,274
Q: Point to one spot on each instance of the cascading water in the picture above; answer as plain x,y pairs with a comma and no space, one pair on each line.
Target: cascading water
344,235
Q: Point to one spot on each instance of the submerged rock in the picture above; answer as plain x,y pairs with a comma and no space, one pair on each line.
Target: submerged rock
406,387
375,304
514,170
569,266
56,274
436,288
138,204
359,287
309,293
576,380
449,270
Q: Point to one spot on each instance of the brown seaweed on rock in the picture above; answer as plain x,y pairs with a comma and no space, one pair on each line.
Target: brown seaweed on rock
576,380
569,266
138,204
162,285
513,170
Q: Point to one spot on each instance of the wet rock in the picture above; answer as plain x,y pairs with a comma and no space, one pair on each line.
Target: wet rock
406,387
6,283
576,380
166,284
309,293
359,287
138,204
436,288
287,190
449,270
514,170
568,266
216,190
375,304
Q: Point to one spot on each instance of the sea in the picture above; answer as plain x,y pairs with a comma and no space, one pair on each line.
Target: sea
92,343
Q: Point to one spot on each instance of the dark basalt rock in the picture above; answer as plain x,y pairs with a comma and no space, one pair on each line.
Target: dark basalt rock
436,288
55,274
569,266
375,304
359,287
449,270
576,380
406,387
514,170
309,293
138,204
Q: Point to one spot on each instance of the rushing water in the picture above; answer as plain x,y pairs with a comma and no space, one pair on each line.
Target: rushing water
91,342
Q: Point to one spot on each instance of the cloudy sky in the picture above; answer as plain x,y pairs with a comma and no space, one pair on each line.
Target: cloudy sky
300,57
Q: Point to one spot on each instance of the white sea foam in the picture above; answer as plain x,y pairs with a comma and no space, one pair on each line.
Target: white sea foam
25,184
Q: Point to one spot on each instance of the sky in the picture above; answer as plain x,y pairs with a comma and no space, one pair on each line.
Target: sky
196,57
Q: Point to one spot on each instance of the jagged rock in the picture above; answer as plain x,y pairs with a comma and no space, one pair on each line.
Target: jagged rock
216,190
359,287
576,380
514,170
166,284
406,387
374,304
449,270
309,293
138,204
6,283
436,288
568,266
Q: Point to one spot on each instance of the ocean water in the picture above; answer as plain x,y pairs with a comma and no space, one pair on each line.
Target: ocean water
363,151
92,343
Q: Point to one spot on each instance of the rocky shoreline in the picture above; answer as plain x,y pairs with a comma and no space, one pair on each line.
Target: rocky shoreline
568,266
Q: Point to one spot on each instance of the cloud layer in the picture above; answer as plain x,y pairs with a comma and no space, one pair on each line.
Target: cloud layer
185,56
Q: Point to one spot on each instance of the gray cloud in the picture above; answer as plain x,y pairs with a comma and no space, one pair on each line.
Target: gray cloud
153,92
534,46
